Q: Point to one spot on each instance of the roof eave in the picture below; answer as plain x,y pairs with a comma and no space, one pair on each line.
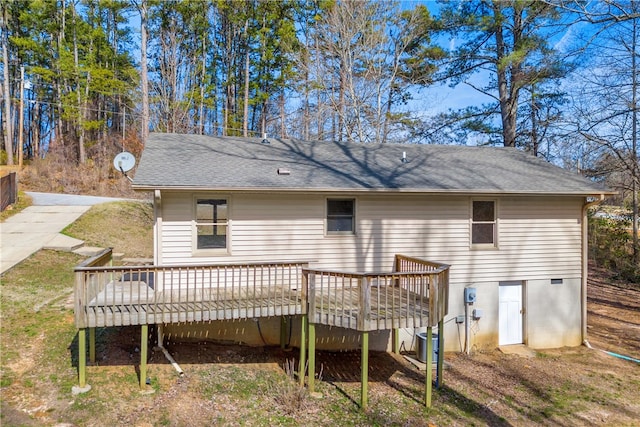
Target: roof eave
594,193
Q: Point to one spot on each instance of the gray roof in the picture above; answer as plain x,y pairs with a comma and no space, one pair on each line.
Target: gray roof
175,161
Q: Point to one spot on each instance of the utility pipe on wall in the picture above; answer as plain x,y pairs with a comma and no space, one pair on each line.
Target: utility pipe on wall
467,328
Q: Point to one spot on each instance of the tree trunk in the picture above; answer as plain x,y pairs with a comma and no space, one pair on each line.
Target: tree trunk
144,78
80,116
508,96
283,127
20,147
36,130
534,122
635,175
245,119
202,80
8,134
341,107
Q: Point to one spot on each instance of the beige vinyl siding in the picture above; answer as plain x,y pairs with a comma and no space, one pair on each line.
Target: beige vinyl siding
538,237
541,236
176,228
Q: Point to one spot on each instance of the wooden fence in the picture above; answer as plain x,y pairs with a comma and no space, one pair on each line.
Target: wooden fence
9,186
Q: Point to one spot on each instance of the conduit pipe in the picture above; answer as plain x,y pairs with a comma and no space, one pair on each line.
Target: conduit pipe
467,329
167,354
611,353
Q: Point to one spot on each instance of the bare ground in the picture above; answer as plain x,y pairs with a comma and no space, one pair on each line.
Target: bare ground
570,386
613,317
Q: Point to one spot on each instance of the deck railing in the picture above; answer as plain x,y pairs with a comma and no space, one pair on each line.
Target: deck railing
415,294
115,295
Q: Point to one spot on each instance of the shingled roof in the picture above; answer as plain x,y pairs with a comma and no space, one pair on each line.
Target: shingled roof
176,161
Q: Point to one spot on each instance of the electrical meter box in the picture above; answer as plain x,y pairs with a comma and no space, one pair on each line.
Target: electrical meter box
469,295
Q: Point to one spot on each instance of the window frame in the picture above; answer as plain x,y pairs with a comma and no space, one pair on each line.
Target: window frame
333,233
495,223
197,251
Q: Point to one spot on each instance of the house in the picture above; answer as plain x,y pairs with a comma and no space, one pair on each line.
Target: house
511,226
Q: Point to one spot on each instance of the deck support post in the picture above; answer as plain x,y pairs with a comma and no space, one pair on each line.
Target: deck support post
92,345
303,350
144,339
395,337
312,357
283,332
429,368
364,370
439,370
82,357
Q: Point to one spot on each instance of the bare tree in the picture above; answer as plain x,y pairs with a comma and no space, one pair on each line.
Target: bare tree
607,117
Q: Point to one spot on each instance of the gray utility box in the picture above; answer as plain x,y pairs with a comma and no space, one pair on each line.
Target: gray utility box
421,346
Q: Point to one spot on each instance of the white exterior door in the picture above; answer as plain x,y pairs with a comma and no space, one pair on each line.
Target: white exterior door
510,313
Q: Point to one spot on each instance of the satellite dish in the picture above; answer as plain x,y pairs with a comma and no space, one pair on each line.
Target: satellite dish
124,162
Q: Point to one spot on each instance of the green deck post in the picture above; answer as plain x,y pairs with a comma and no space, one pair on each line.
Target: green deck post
429,370
396,340
283,332
303,350
312,357
92,345
364,372
144,338
439,378
82,357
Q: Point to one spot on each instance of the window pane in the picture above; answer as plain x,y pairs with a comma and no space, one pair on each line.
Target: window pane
482,233
204,212
340,224
212,236
340,207
211,210
340,216
211,223
483,211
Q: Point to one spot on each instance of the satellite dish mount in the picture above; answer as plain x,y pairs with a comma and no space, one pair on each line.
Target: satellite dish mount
124,162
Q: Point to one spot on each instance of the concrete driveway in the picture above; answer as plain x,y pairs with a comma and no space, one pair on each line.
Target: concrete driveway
39,226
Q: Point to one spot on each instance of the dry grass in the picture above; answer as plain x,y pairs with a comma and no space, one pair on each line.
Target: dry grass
23,202
125,226
56,173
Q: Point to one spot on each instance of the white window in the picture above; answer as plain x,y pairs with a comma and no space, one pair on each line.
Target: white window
341,216
483,223
212,223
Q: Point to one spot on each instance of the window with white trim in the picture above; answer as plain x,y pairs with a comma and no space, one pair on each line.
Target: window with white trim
341,216
483,223
212,223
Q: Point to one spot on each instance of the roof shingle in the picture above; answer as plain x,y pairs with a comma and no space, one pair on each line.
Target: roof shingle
174,161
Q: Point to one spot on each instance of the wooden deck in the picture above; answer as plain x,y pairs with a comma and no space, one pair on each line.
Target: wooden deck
118,296
414,294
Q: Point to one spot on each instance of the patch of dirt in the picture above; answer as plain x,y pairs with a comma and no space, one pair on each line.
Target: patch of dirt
613,314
